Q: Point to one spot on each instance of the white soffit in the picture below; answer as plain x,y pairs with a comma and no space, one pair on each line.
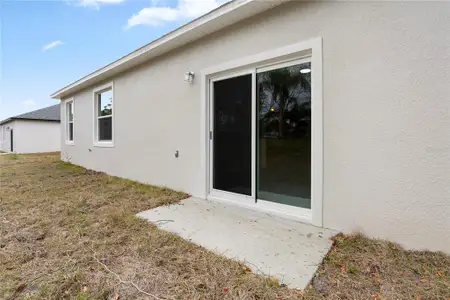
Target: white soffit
213,21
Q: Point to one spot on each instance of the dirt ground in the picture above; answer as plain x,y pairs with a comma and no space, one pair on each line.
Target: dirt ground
70,233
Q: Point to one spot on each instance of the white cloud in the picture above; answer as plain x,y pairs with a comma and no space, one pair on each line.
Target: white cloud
51,45
153,16
94,3
186,9
29,103
196,8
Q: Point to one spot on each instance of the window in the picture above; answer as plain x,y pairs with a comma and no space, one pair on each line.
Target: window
103,111
69,122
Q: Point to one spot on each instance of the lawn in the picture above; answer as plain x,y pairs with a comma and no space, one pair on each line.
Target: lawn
70,233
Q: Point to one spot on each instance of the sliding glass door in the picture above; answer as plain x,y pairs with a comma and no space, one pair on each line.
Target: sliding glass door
232,135
284,134
261,134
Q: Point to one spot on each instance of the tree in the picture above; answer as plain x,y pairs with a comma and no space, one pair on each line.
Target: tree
279,91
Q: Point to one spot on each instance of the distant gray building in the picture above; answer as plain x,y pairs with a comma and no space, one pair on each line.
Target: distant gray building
32,132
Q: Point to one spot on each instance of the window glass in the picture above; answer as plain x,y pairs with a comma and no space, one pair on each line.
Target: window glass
284,135
104,111
232,171
70,111
105,129
70,131
69,116
105,105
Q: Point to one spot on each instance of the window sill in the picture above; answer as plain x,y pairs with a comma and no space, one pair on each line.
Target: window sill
104,144
70,143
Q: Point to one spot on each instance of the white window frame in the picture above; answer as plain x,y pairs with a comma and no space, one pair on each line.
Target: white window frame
67,121
96,141
311,49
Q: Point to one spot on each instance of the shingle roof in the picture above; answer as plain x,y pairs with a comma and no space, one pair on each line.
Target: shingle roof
51,113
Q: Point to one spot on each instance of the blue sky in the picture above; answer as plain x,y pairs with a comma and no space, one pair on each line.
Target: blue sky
48,44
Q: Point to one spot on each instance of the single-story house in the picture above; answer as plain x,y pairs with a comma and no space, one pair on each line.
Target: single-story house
32,132
334,113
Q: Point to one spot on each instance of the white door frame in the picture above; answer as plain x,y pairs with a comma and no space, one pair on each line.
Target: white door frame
214,193
311,48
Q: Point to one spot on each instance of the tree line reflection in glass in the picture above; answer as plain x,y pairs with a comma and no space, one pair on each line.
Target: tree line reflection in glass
284,135
105,109
105,103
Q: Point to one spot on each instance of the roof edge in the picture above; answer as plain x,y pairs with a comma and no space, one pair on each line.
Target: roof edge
191,31
6,121
26,119
49,113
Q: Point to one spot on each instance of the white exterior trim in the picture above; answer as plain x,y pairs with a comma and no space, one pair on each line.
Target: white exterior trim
285,211
254,126
66,122
95,92
311,48
286,64
267,58
103,87
317,129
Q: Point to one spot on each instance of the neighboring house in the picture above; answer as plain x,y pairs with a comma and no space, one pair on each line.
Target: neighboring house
331,113
32,132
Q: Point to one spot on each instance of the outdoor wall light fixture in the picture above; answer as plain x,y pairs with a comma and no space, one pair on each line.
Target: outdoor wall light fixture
189,76
8,128
305,71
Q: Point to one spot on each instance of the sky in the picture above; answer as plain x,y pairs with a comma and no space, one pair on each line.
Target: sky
45,45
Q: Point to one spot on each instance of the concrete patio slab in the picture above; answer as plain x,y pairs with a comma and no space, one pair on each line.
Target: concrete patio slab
287,250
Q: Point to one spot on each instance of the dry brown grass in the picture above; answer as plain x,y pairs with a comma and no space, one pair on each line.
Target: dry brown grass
61,226
362,268
57,219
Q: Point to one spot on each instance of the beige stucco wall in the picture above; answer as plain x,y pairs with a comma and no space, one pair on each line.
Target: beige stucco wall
386,113
36,136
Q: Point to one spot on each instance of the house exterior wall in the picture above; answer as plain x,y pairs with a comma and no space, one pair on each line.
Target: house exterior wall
5,136
36,136
386,113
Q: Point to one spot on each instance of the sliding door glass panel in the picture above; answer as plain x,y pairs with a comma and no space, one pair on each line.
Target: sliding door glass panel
232,128
284,135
